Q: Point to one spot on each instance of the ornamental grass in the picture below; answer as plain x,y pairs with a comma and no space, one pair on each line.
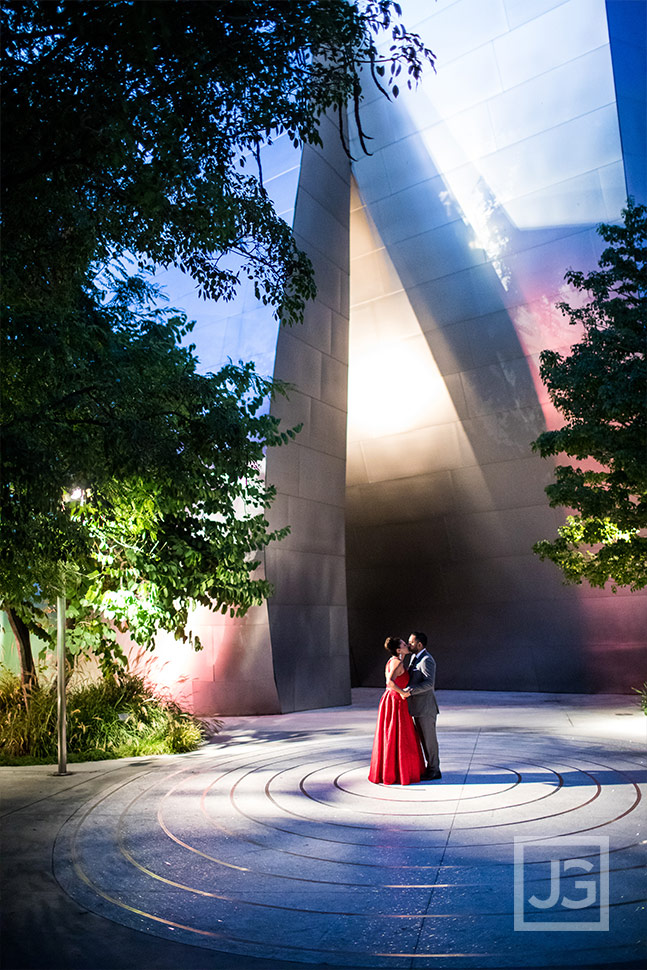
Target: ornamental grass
115,717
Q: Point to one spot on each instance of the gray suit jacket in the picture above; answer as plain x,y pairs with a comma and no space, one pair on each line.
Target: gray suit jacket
422,681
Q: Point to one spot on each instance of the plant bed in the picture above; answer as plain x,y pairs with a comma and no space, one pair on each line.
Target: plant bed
115,717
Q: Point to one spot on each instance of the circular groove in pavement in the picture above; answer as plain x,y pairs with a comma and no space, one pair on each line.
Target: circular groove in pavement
249,857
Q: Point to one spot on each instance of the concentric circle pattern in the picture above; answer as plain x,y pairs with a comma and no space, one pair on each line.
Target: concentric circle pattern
281,848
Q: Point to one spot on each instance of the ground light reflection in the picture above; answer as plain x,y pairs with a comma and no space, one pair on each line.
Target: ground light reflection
333,870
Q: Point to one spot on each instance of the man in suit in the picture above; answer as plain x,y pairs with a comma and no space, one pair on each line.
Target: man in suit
423,706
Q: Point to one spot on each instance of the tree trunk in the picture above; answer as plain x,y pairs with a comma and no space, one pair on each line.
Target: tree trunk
28,674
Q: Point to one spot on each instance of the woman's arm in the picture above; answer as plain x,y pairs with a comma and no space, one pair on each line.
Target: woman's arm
427,670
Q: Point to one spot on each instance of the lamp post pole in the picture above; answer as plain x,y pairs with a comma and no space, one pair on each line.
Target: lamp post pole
60,685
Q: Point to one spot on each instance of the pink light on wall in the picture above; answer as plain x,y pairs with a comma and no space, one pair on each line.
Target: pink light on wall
174,668
232,674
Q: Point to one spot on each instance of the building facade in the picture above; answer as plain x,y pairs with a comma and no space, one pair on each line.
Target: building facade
412,493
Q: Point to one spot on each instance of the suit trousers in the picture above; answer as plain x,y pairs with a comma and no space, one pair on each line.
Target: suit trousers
426,728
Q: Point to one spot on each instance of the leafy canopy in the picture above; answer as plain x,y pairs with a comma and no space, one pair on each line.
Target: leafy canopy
162,464
601,389
136,127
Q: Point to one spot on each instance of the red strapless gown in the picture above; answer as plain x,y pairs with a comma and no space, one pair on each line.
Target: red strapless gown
397,757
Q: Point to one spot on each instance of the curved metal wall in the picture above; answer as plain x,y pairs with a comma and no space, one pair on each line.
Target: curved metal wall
307,613
291,653
482,189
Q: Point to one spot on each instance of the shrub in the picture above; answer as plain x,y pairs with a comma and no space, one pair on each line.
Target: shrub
642,692
115,717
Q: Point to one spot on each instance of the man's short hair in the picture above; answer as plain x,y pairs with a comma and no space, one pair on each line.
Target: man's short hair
420,637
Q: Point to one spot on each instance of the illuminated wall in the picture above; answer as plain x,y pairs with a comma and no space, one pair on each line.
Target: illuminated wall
484,186
307,613
290,653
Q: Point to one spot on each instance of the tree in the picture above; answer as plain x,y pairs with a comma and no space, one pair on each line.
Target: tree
136,127
133,134
168,462
601,388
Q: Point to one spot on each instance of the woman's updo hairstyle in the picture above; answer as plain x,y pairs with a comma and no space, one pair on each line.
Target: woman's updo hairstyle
391,644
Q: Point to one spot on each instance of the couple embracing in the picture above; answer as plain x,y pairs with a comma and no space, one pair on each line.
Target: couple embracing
405,748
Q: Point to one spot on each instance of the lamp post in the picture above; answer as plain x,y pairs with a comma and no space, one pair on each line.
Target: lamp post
61,713
77,495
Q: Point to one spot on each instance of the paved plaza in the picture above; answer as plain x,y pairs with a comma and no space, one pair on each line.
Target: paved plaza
269,848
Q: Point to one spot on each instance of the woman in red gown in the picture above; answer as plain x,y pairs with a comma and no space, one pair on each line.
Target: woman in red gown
397,757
